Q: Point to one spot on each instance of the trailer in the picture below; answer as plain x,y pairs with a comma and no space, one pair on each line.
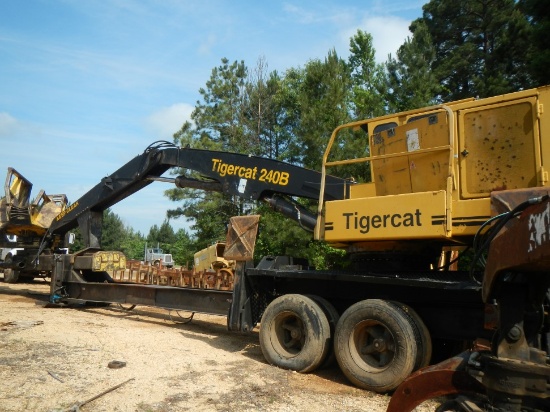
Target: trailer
426,182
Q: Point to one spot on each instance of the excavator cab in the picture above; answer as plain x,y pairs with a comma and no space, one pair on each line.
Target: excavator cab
14,207
20,216
45,208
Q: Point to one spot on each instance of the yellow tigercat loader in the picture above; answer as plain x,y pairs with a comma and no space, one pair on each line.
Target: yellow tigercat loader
25,221
428,178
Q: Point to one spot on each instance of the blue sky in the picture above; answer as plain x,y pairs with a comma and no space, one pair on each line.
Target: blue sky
87,85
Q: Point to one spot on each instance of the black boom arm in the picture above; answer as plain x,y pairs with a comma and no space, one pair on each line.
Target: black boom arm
249,177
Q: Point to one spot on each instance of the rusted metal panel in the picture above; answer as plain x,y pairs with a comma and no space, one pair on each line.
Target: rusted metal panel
524,247
241,237
446,378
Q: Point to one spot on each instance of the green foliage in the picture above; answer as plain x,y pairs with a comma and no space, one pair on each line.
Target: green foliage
367,76
132,245
278,236
113,231
287,115
116,236
410,81
324,99
265,112
210,216
220,118
538,31
229,117
323,257
479,46
183,249
179,244
350,143
163,235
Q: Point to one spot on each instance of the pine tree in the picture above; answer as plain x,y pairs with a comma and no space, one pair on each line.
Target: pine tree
367,77
324,101
410,81
538,15
480,49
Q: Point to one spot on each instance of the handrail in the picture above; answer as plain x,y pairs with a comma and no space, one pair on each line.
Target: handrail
387,156
449,147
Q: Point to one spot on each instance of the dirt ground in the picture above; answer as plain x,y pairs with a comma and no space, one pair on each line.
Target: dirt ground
55,359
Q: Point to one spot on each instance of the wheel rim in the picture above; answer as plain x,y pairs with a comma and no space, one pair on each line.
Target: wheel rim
289,333
372,345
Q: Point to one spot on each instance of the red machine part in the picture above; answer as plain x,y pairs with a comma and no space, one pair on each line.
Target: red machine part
449,377
512,374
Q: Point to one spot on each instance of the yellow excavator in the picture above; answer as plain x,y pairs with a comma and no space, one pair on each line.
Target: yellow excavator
430,177
22,224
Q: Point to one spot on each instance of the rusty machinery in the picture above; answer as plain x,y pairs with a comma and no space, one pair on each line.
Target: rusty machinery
211,270
512,371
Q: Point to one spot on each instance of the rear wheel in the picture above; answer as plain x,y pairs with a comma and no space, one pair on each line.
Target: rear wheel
332,316
376,345
295,333
10,275
424,340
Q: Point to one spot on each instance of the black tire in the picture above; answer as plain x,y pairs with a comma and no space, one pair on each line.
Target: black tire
10,275
449,405
375,345
332,316
295,333
424,340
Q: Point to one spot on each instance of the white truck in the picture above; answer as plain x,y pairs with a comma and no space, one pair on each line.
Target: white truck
157,257
9,251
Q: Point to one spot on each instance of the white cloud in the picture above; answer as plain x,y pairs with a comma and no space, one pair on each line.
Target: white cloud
320,15
388,30
388,34
8,125
302,15
207,44
168,120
